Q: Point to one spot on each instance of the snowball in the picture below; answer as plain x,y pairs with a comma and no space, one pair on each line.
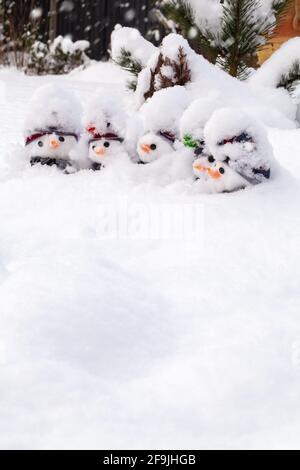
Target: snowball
53,106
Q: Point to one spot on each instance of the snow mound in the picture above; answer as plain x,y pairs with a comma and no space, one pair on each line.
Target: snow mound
269,74
131,40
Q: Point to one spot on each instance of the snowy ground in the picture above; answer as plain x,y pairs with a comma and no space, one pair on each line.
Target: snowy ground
111,338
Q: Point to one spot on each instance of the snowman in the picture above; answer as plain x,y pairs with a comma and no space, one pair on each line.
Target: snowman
216,177
52,127
235,138
161,116
192,124
103,148
105,126
152,146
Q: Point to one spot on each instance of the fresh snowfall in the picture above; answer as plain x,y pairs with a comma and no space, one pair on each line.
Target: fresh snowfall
139,306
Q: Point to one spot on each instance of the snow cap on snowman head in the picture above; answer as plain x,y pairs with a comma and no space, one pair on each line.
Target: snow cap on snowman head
53,109
236,137
161,113
104,118
193,121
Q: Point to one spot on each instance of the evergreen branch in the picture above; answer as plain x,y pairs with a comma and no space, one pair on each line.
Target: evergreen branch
127,62
291,79
181,14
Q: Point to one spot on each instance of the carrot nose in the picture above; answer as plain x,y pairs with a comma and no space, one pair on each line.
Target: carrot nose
200,167
145,148
100,151
54,144
214,174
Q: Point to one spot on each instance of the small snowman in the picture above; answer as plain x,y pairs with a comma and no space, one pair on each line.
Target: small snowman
192,126
152,146
216,177
236,138
52,127
161,116
105,126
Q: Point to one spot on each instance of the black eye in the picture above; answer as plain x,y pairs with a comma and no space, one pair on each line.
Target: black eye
94,146
221,170
211,159
106,144
153,147
61,139
40,144
108,124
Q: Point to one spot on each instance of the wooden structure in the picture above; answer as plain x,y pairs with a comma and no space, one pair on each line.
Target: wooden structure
288,28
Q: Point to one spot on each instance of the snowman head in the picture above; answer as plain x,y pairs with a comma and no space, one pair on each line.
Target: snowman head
51,144
152,146
102,149
217,177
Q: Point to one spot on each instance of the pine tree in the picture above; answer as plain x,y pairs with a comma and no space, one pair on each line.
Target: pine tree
131,65
241,35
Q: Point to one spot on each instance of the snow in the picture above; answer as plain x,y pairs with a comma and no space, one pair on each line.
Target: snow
145,335
196,116
269,74
53,106
208,14
163,110
68,46
249,153
273,107
131,40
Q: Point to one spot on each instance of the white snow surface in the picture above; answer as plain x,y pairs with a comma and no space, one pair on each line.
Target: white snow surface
115,338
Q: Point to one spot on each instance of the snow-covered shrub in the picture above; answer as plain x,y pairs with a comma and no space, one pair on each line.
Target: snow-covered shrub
59,57
130,51
168,67
66,55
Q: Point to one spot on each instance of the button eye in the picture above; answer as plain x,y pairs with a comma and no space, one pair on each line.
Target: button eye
108,124
61,139
40,144
211,159
153,147
106,144
221,170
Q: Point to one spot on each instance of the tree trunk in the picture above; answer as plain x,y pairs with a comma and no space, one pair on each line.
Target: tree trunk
53,20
